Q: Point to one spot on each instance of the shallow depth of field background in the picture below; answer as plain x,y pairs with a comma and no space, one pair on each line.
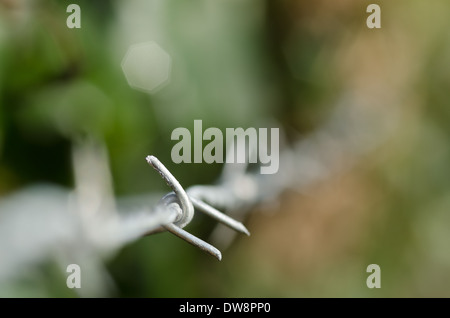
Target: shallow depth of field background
237,64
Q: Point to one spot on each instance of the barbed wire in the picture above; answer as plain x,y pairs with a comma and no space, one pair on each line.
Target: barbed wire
95,224
349,133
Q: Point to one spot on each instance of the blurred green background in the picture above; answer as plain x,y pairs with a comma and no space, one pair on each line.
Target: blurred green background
237,64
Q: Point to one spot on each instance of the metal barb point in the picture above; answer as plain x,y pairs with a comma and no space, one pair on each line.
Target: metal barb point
188,237
186,207
180,198
185,202
219,216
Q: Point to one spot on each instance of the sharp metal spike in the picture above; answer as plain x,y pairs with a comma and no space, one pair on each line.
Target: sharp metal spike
219,216
188,237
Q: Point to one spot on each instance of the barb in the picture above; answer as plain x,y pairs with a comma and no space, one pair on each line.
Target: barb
186,205
183,206
222,218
